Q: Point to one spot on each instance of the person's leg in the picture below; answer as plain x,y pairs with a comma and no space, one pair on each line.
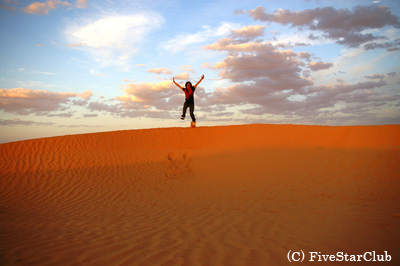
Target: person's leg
191,109
185,106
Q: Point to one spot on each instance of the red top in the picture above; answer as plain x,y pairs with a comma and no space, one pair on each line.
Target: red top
189,95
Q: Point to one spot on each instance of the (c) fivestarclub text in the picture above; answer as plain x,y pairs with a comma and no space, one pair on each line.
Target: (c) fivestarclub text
300,256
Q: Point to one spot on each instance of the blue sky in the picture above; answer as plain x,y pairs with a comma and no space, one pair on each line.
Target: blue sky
72,67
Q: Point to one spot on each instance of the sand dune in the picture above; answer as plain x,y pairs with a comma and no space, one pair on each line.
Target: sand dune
234,195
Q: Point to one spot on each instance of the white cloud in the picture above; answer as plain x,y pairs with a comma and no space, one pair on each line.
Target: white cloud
81,4
183,40
113,40
161,70
299,38
96,72
188,68
44,73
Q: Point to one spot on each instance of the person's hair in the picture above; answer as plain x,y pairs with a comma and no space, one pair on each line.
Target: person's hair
188,82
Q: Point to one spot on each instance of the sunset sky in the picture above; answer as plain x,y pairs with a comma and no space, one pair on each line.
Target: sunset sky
70,67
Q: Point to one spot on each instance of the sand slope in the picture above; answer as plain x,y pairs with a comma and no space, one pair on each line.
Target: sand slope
234,195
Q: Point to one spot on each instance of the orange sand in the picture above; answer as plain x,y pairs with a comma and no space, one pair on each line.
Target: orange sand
235,195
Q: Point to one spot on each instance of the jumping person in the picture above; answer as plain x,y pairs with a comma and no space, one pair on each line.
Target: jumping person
189,99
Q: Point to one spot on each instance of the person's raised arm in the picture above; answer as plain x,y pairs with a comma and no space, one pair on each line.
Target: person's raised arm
202,77
173,79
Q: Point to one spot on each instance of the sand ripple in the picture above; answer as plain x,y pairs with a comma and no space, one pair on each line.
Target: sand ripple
240,195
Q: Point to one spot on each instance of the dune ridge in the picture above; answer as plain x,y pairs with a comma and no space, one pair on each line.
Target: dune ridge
258,135
231,195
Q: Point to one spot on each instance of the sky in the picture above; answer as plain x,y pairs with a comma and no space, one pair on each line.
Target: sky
72,67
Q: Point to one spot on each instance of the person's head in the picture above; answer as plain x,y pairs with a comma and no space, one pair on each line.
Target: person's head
188,85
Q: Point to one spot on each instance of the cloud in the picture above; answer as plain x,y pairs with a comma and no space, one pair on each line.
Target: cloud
375,76
90,115
316,66
113,40
188,68
80,102
126,108
341,103
362,92
207,65
44,73
40,8
9,5
40,102
19,122
249,32
70,114
103,107
183,40
233,45
239,12
182,76
342,90
76,44
260,63
149,94
96,72
81,4
346,27
150,99
21,69
304,55
43,8
268,80
162,70
360,101
389,46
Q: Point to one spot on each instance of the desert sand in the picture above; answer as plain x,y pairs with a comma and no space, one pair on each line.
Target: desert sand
229,195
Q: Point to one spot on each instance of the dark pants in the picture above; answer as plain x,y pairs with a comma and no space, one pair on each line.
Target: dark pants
191,109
